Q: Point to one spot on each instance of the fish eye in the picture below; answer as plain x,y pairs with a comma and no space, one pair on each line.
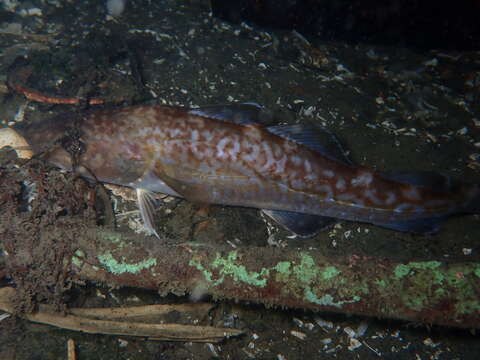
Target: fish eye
73,145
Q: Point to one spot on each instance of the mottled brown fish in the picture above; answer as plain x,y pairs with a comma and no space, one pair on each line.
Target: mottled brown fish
223,155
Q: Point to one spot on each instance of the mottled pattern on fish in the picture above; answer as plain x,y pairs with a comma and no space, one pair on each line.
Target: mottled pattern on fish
210,160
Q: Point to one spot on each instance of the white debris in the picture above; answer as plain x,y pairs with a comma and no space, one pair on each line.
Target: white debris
474,156
115,7
20,115
10,5
122,343
232,244
199,291
298,322
309,325
396,334
429,342
350,332
362,329
371,54
354,344
4,316
433,62
100,294
333,350
212,349
298,334
309,111
378,353
342,68
323,323
31,12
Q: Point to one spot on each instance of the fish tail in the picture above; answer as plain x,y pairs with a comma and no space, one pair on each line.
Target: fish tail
467,202
473,207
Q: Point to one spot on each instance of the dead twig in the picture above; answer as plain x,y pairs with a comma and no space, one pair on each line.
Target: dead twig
71,355
9,137
143,313
39,97
17,80
166,332
26,36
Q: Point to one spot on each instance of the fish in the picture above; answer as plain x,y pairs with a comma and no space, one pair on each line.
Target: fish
298,175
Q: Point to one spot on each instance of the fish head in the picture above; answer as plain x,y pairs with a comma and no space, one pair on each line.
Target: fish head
47,138
97,153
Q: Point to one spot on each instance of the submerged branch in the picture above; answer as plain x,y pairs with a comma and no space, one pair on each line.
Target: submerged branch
433,292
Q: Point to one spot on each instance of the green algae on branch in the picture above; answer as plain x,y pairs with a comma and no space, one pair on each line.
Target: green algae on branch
118,268
299,277
431,281
304,272
228,266
432,291
124,265
436,291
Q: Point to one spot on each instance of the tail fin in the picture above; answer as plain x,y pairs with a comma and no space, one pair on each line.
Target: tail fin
473,206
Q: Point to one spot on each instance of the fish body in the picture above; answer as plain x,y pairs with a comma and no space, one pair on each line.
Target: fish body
222,155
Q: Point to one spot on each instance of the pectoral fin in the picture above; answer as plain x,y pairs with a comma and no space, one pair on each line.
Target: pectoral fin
205,187
146,204
151,182
303,225
190,189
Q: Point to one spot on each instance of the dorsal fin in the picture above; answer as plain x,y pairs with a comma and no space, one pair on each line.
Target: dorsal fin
315,138
427,179
242,114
